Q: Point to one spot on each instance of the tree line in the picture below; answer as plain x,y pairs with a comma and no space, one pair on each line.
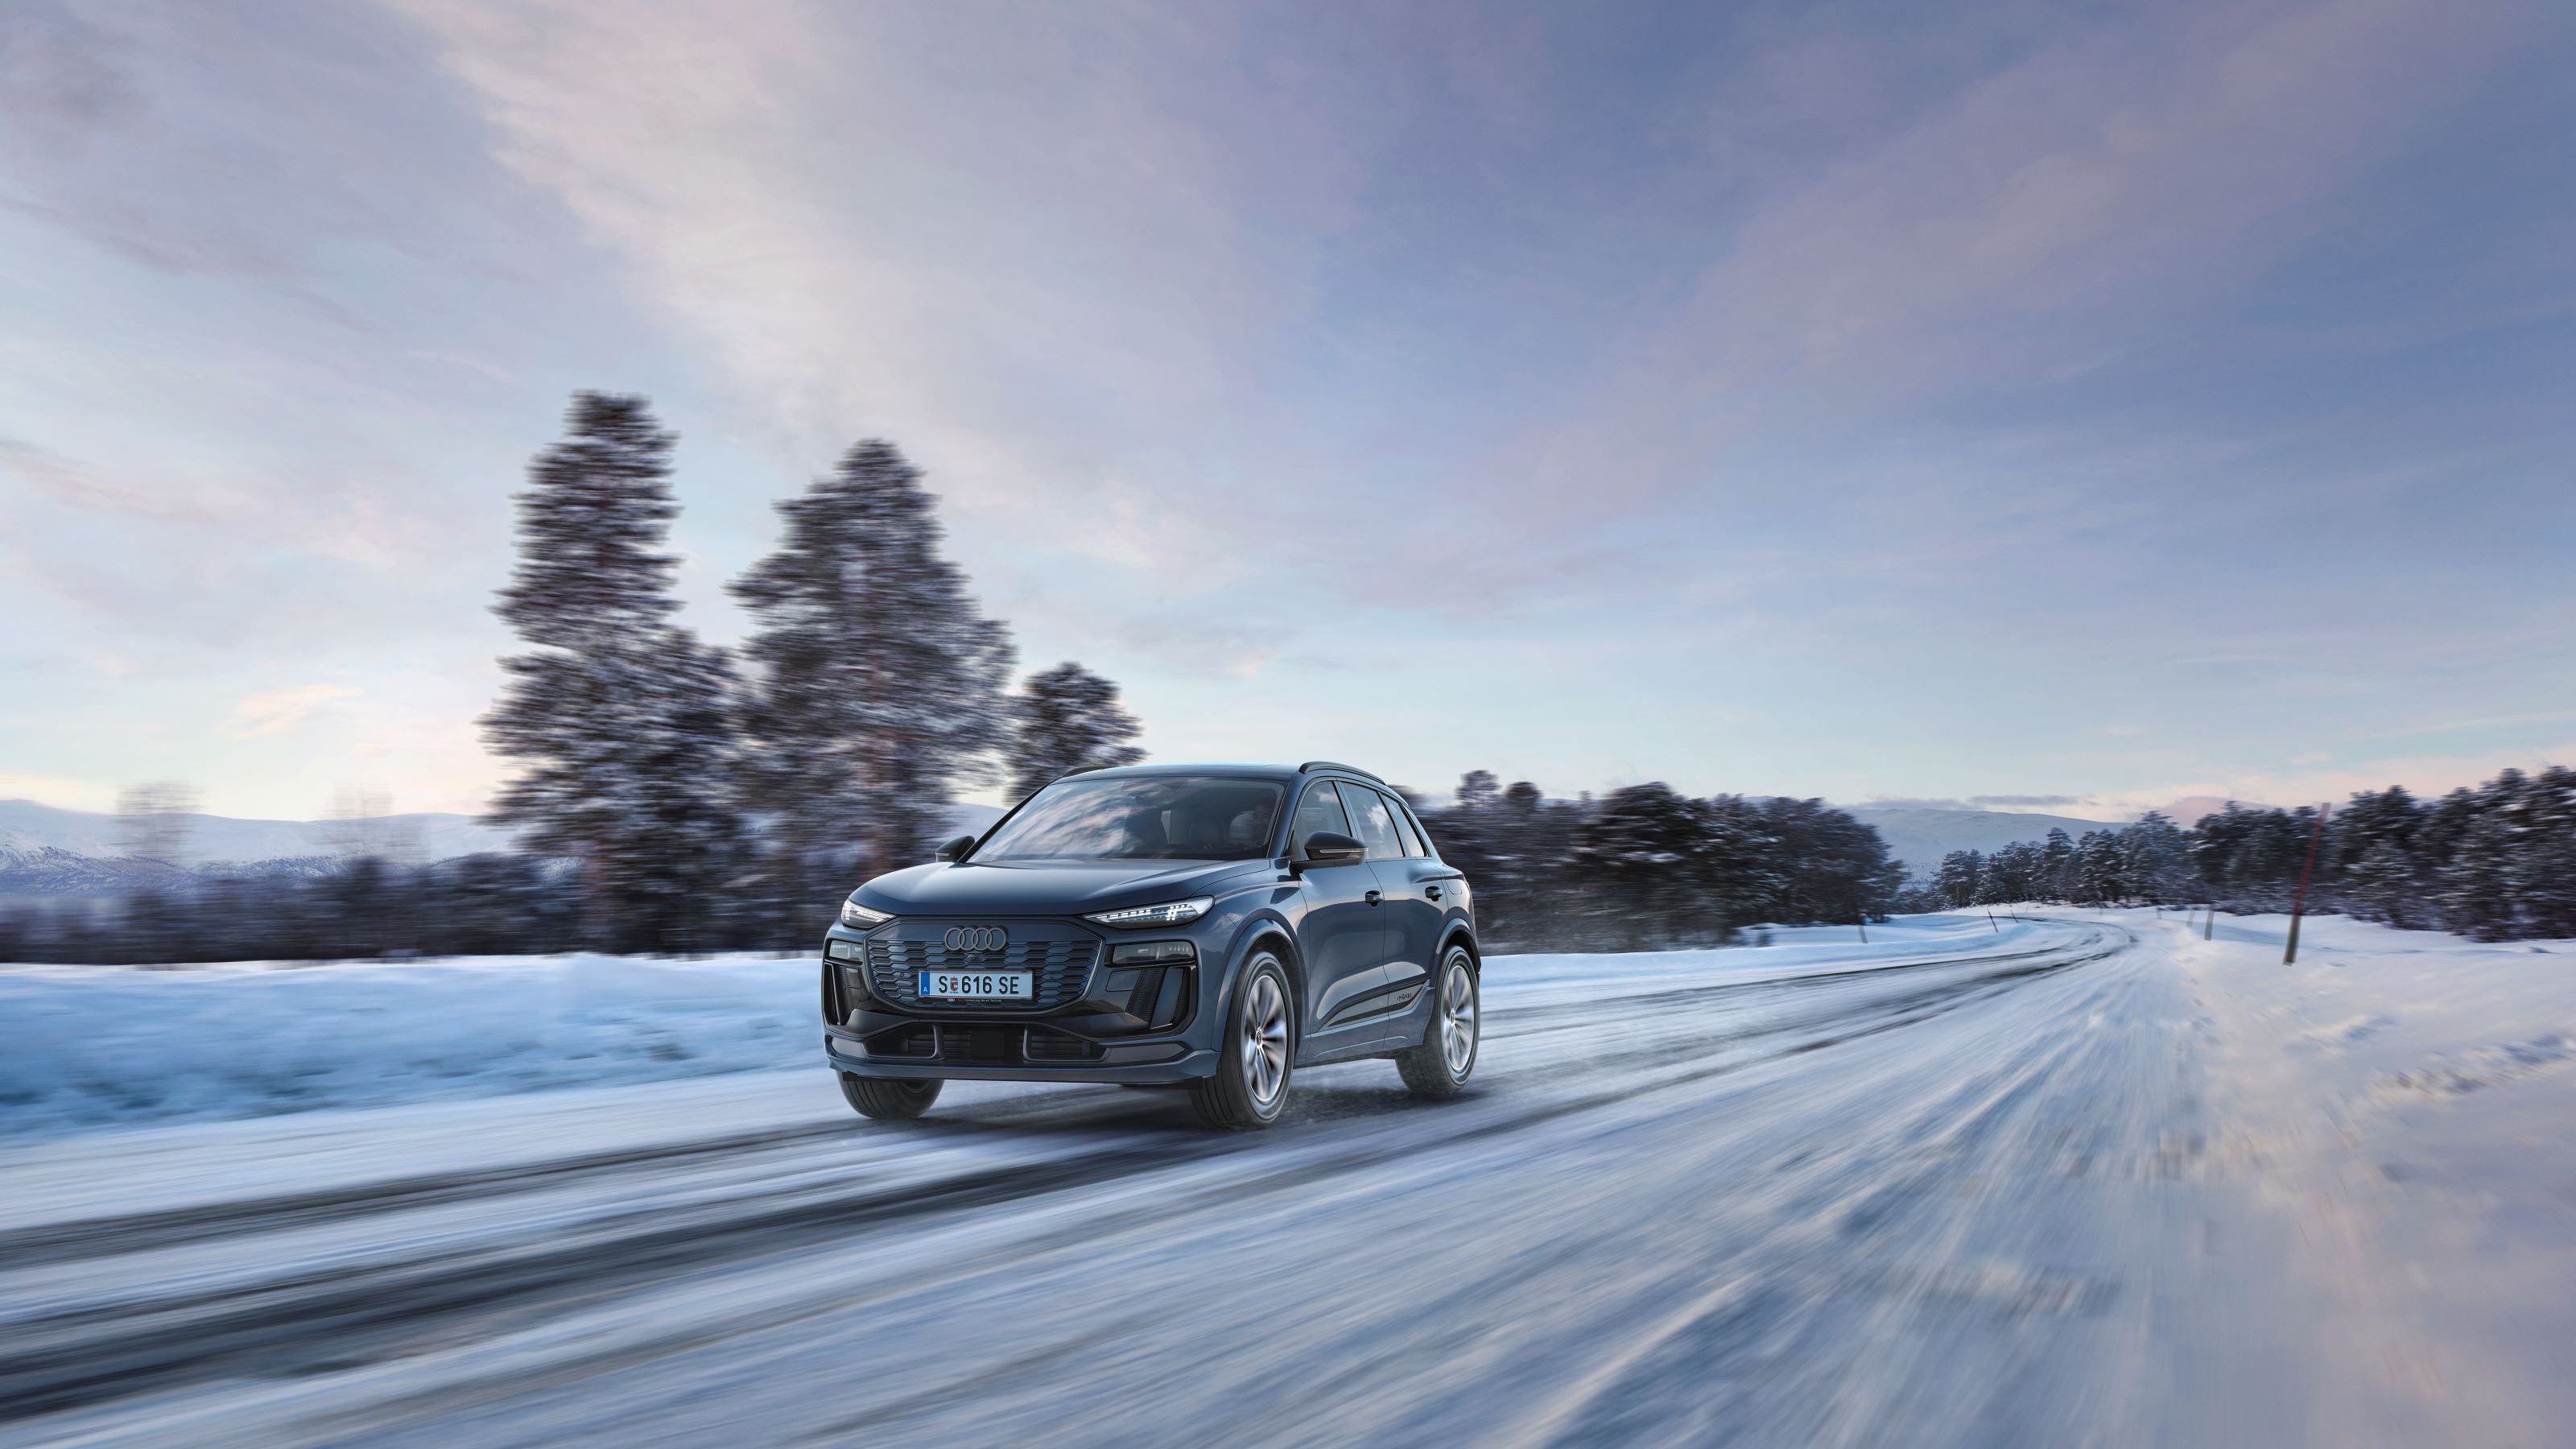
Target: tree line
1642,868
1648,868
2496,863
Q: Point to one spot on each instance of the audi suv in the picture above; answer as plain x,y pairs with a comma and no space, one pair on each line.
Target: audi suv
1214,927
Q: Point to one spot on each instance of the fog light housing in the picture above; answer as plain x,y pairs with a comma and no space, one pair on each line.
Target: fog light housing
843,950
1155,953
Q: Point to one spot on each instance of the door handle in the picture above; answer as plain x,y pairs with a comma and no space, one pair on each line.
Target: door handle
1432,891
1373,897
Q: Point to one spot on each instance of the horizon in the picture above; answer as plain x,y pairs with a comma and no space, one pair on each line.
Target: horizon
1435,802
2091,411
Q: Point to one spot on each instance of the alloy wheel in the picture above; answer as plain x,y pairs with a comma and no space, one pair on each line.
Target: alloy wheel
1265,1040
1458,1016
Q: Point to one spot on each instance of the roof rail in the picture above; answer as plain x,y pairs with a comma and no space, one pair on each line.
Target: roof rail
1338,765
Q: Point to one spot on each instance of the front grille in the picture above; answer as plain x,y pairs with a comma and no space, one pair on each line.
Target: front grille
1060,960
1057,1046
998,1045
907,1041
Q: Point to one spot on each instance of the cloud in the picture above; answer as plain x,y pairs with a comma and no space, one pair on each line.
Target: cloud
66,481
277,710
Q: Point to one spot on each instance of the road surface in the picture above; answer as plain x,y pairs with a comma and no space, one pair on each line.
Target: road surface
1966,1185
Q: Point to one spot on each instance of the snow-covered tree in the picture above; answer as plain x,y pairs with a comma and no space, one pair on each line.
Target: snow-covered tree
1661,869
877,686
2155,861
2098,863
1067,719
2056,866
1956,879
617,719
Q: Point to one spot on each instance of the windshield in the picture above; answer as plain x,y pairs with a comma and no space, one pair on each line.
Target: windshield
1153,817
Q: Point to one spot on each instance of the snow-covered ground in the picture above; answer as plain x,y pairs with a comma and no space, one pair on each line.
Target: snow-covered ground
92,1046
2086,1179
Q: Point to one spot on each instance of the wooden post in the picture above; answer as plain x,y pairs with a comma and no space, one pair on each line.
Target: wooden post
2209,922
2299,902
1990,920
1864,926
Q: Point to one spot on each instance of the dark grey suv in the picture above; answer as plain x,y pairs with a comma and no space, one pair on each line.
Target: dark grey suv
1208,926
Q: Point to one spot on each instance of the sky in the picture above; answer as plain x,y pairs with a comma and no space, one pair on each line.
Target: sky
2066,407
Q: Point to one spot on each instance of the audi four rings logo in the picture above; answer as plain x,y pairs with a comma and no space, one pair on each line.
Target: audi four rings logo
977,938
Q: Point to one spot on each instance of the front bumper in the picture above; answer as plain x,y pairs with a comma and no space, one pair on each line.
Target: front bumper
1171,1063
1094,1019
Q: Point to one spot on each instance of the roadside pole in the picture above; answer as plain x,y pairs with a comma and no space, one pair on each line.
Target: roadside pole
1990,920
2299,902
1864,927
2209,922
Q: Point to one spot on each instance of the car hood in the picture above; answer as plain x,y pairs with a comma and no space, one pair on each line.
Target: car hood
1049,888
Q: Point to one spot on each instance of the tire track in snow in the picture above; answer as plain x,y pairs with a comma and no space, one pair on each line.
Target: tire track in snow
326,1320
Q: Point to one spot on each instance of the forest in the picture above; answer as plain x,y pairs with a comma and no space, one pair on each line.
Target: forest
2495,863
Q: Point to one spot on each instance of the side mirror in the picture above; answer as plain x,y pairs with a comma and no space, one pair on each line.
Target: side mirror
955,848
1325,847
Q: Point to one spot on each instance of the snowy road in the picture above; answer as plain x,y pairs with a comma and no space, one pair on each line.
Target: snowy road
1959,1186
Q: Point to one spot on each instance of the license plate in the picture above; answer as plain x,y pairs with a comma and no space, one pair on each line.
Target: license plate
980,985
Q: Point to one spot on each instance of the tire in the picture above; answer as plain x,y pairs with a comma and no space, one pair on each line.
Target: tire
887,1100
1255,1056
1447,1057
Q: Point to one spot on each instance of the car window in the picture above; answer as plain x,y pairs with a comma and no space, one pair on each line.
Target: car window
1150,817
1405,827
1376,825
1321,809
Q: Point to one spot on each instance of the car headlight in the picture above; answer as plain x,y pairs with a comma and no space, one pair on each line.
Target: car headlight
859,918
1169,913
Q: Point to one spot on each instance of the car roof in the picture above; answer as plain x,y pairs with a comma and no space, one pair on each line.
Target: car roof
1253,771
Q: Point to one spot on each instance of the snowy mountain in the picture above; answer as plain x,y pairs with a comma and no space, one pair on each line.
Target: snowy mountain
49,853
1920,835
26,826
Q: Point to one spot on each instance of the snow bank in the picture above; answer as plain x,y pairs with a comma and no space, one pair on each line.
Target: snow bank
91,1045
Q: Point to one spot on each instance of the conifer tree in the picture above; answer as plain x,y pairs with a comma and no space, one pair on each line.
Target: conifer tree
617,719
1067,719
2057,866
877,689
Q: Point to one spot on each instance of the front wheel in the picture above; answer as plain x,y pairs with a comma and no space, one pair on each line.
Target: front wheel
887,1100
1440,1066
1251,1083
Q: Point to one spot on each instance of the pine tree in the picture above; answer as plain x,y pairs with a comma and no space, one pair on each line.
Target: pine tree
2381,885
1662,869
2155,860
618,719
878,685
1478,790
1957,878
2097,868
2057,866
1064,720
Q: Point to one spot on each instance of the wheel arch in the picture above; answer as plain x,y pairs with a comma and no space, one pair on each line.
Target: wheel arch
1274,933
1459,933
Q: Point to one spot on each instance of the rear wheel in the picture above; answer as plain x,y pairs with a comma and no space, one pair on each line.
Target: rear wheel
1441,1065
889,1101
1251,1083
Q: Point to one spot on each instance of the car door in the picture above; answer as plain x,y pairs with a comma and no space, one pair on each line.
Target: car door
1342,939
1418,889
1374,820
